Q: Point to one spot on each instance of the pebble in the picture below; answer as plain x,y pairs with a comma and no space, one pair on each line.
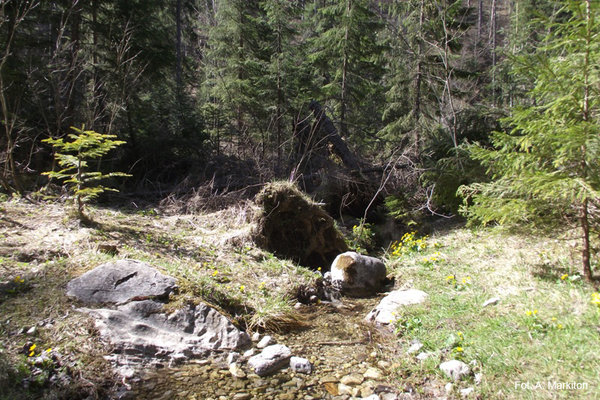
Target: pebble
373,373
466,392
328,379
352,379
242,396
264,342
414,347
236,371
491,302
255,337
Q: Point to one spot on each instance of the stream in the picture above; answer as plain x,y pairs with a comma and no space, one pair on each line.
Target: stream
350,358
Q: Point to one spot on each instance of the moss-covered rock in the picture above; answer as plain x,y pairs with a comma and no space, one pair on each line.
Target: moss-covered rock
291,225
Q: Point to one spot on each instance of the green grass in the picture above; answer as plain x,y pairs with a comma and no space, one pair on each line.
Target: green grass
543,329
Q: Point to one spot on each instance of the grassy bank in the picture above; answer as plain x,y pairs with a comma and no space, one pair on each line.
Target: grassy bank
542,332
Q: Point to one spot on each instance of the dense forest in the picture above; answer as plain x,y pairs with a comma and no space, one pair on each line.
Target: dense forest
400,101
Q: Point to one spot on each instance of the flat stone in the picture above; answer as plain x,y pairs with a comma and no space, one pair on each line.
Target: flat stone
242,396
373,373
424,355
467,392
328,379
264,342
455,369
121,281
491,302
140,327
385,312
352,379
344,389
271,359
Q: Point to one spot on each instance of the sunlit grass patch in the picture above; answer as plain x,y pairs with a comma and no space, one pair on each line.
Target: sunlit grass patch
544,328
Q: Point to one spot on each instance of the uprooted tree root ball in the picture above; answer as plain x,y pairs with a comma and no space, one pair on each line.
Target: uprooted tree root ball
291,225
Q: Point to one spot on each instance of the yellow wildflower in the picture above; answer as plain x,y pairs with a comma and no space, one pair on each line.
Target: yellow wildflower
563,277
450,278
528,312
242,288
459,349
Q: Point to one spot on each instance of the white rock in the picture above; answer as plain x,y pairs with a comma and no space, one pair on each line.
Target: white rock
264,342
491,302
232,357
478,378
372,397
358,275
248,353
455,369
236,371
301,365
448,388
385,312
466,392
271,359
424,355
344,389
414,347
255,337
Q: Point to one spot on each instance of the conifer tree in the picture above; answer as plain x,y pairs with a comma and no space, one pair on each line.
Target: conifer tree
545,166
346,55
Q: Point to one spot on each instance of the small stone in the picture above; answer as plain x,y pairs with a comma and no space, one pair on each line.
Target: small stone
366,391
383,364
414,347
372,397
270,359
313,299
424,356
352,379
331,388
388,396
466,392
373,373
242,396
448,388
300,365
455,369
32,330
232,357
328,379
248,353
491,302
478,378
264,342
237,371
298,306
344,389
255,337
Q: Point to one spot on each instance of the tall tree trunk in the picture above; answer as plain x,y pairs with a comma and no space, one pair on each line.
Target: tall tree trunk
584,217
344,94
178,44
418,78
493,37
278,113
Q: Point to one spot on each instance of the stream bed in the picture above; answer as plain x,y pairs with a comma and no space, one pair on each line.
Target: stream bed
350,358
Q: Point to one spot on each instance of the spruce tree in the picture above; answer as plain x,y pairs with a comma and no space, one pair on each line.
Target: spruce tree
545,166
346,54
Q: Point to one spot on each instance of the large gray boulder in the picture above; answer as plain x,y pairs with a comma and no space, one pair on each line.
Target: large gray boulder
358,275
141,328
270,360
385,312
121,281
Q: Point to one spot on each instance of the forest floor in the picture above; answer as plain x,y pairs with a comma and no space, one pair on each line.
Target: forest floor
540,338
